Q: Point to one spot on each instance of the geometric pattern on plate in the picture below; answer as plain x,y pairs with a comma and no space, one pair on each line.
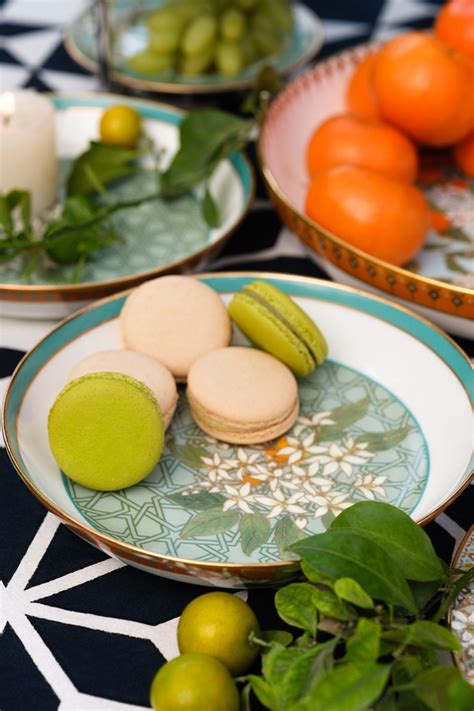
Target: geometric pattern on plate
211,501
461,615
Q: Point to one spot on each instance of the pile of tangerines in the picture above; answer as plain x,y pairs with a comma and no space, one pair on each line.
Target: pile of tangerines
417,91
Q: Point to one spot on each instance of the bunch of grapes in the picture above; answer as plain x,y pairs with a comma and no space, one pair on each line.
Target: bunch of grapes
223,36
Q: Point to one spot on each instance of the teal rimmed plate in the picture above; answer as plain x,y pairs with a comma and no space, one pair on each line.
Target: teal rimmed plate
388,417
130,37
156,238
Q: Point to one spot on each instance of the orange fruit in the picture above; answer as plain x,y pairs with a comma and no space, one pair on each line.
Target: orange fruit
366,142
464,155
360,94
455,26
385,217
425,88
120,125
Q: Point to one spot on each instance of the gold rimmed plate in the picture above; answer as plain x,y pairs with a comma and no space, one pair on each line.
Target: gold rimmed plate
157,238
130,35
439,282
370,428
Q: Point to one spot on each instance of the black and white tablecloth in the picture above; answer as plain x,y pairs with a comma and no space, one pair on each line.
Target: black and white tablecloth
80,631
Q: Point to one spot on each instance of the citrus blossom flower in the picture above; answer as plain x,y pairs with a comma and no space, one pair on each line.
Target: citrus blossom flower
237,497
217,468
320,418
279,503
296,450
331,501
370,485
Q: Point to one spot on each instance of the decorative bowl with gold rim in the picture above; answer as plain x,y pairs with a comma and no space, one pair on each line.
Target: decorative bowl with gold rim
439,283
373,425
161,237
130,35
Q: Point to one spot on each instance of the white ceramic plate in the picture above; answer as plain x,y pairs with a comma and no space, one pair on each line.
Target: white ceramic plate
391,408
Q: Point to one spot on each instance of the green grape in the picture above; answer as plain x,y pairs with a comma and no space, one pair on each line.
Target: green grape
280,13
265,42
248,48
199,63
264,23
248,4
147,62
165,40
199,35
229,58
232,24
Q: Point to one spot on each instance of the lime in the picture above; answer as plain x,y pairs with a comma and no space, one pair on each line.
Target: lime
219,624
194,682
120,125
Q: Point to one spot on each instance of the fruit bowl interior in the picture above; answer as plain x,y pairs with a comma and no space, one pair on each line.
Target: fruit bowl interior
440,277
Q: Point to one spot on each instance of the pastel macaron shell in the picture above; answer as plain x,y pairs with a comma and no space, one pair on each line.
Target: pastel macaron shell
106,430
175,319
136,365
275,323
242,395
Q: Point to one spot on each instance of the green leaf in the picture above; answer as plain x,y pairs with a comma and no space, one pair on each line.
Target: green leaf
405,668
423,633
21,199
210,522
254,531
442,689
189,455
405,541
350,590
344,552
348,688
207,136
210,210
423,592
364,645
305,672
105,161
262,691
295,607
5,215
328,604
458,234
343,416
285,533
281,636
315,576
197,502
277,661
388,703
380,441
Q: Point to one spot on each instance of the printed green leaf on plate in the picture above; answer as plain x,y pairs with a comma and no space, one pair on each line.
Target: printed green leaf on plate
344,416
406,542
210,522
380,441
200,501
285,533
344,552
294,604
189,455
254,531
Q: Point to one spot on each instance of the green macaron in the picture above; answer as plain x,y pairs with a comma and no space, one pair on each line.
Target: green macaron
106,430
276,324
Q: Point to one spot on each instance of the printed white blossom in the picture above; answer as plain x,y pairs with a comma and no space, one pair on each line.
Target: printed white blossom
279,503
245,463
296,450
463,624
237,497
344,456
301,522
311,484
275,478
217,468
331,501
317,420
370,485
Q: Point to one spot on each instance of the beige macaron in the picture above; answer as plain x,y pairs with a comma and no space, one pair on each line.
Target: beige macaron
136,365
175,319
242,395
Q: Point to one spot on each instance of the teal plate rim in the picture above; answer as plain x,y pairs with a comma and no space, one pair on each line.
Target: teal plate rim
99,312
149,109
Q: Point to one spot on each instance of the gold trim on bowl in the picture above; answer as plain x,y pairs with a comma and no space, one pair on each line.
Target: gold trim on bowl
251,573
182,87
397,281
47,293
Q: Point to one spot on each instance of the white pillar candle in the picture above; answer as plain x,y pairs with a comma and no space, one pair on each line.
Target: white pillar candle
27,147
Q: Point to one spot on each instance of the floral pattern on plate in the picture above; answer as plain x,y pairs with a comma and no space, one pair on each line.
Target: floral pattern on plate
208,500
461,616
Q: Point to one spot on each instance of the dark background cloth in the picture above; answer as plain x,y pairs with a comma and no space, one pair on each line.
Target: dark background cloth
93,639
